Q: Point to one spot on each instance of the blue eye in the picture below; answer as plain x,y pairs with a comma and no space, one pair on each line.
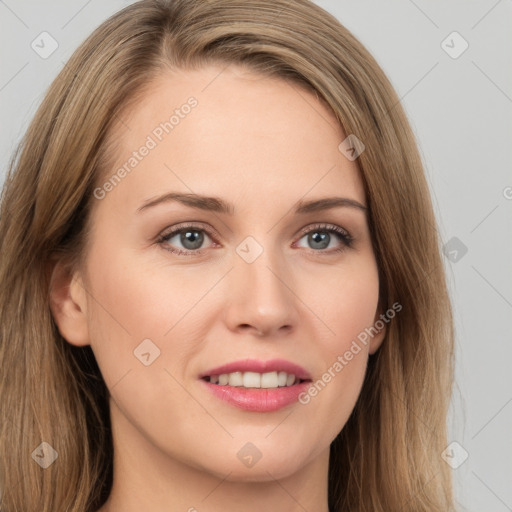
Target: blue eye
192,237
319,237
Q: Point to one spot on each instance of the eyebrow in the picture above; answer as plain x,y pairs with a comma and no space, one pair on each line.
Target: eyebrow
218,205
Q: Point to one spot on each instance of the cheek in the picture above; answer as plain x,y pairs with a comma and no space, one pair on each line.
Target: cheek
348,306
133,299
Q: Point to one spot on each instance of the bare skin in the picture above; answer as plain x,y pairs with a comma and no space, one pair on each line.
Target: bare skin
262,145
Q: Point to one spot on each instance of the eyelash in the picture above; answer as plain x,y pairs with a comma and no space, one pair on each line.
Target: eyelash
346,239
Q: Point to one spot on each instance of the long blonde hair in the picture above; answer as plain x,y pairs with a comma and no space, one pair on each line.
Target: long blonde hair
388,456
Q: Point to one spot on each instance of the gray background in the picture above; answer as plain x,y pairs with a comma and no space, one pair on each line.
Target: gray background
460,109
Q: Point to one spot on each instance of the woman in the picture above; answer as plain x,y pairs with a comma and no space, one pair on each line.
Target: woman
221,280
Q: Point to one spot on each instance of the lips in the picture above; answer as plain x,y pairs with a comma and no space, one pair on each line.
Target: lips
259,386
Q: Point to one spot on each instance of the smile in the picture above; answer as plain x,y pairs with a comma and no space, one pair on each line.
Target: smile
259,386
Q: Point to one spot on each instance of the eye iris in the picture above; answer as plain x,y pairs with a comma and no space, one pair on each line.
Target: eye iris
194,237
322,238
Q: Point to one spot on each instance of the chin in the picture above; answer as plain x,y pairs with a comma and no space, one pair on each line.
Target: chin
247,463
261,472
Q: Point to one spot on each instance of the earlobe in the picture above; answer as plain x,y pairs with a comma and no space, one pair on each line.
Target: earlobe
378,338
68,303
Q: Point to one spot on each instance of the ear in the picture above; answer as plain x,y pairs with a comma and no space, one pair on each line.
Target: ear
68,303
380,324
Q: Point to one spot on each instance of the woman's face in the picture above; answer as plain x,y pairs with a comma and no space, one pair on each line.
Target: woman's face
253,291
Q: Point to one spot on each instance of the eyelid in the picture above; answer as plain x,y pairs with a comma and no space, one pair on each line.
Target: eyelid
189,225
324,225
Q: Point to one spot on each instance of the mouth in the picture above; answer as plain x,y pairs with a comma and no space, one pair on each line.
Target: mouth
259,386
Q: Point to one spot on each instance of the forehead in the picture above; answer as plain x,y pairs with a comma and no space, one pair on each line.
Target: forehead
218,129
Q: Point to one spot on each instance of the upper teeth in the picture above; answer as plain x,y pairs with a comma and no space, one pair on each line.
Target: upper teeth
254,380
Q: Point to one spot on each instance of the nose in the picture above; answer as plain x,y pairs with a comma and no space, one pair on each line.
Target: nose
261,298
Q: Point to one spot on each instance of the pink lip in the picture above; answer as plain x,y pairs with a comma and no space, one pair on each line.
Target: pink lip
253,365
258,399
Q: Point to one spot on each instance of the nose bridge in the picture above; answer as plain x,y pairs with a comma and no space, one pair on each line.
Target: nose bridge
261,295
